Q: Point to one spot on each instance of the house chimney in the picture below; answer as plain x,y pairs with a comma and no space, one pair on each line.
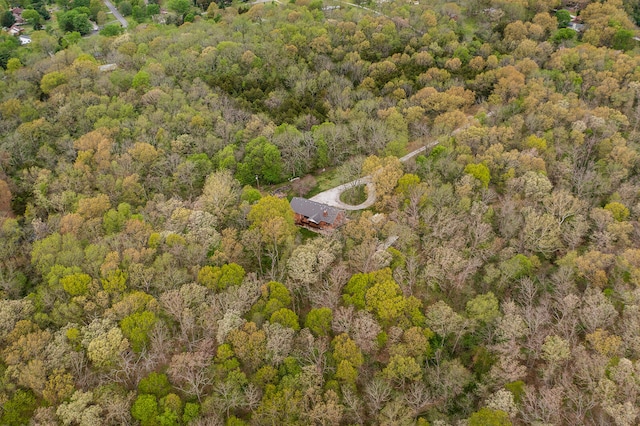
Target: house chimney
325,213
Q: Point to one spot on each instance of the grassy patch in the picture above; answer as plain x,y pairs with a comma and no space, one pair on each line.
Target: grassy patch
307,234
354,196
325,181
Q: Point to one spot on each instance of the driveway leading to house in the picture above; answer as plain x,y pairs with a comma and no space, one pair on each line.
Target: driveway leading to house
331,197
117,14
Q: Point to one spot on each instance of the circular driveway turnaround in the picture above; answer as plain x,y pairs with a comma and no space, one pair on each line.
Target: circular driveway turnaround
331,197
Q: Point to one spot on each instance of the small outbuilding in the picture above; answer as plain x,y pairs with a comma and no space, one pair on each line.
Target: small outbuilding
108,67
15,30
316,215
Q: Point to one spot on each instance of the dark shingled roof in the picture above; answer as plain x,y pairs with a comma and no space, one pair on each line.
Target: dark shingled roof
316,212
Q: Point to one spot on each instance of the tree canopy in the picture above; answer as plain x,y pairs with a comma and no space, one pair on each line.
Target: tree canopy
151,269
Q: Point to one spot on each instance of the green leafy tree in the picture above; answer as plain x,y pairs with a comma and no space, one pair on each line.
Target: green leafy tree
489,417
402,369
113,221
32,17
564,17
52,80
385,299
70,39
181,7
347,373
191,412
346,349
358,284
125,8
115,281
517,267
145,409
273,221
95,7
8,46
76,284
111,30
480,172
137,327
168,417
75,20
18,409
56,249
406,183
250,194
153,9
139,13
619,211
155,384
377,292
7,19
262,159
319,321
563,34
278,297
286,318
13,65
42,10
141,80
220,278
623,39
484,308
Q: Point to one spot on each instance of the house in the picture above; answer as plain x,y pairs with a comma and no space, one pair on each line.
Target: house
17,14
316,215
575,26
15,30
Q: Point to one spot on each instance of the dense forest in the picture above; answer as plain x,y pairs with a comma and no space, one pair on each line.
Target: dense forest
151,271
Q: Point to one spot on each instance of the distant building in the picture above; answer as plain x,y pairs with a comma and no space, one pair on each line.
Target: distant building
15,30
316,215
17,14
108,67
576,26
